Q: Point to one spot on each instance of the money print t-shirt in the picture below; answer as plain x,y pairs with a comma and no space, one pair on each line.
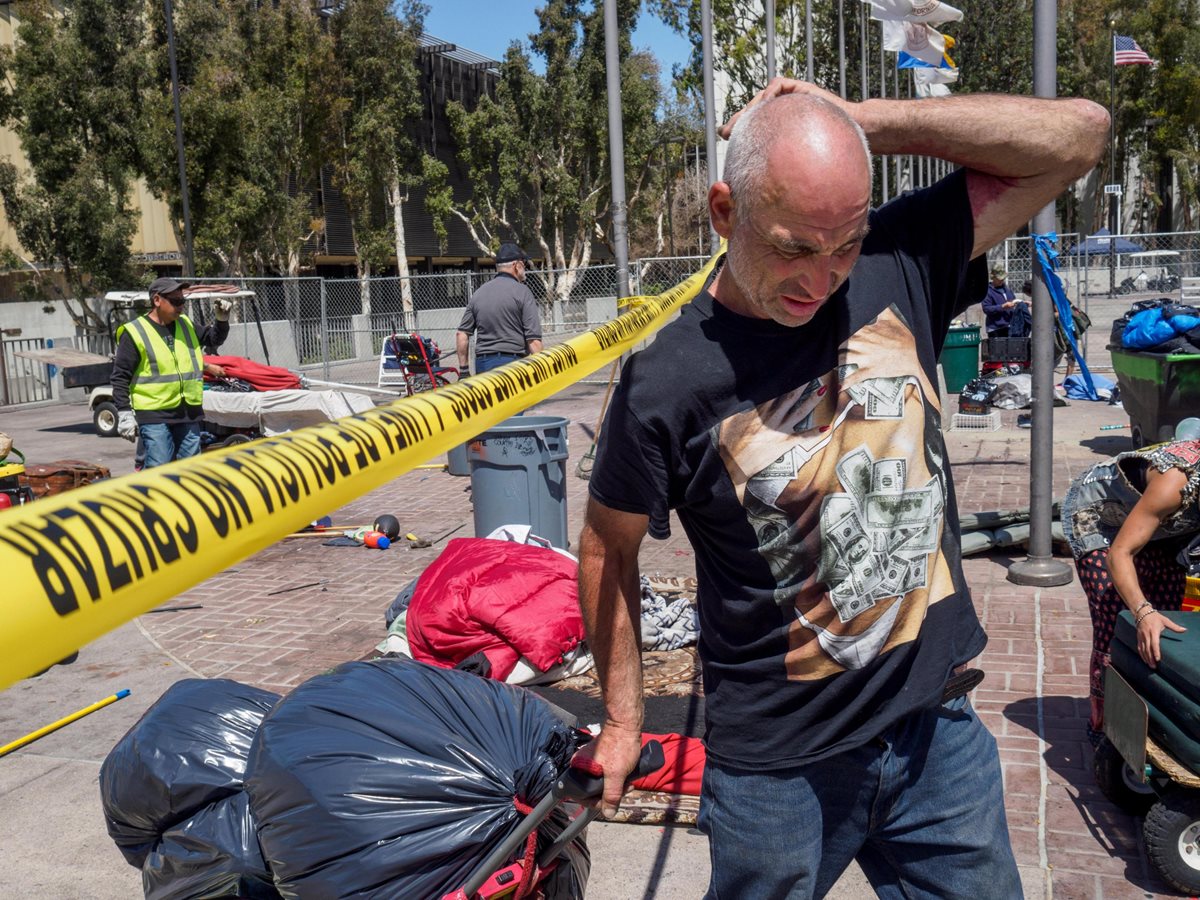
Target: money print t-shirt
808,468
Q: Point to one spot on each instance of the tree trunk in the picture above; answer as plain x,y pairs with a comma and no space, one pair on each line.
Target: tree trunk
406,298
364,288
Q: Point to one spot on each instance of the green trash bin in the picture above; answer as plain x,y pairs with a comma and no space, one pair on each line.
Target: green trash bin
1158,390
960,357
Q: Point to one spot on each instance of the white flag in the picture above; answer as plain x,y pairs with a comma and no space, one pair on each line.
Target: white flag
932,12
922,75
915,39
924,91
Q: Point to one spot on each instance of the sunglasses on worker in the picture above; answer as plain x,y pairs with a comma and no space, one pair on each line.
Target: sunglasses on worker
175,298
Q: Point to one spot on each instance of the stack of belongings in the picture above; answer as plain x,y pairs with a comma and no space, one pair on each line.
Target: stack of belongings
380,779
975,399
1158,326
1172,691
174,798
47,479
498,608
243,374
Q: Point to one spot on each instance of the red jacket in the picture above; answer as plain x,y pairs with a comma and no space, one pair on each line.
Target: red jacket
503,599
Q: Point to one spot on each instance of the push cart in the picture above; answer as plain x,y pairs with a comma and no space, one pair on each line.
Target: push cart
1158,390
1149,760
497,878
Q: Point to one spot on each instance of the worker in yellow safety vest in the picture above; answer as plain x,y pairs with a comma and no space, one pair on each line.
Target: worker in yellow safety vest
158,374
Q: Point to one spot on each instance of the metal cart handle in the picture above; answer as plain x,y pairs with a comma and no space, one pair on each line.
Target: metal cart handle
574,784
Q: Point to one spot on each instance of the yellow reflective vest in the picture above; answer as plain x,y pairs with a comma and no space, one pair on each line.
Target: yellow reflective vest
168,373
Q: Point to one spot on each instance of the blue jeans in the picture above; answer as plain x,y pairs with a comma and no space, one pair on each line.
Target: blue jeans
164,443
920,808
494,361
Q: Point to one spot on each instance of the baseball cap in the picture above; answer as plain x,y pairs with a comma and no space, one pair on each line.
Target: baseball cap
510,252
998,271
164,286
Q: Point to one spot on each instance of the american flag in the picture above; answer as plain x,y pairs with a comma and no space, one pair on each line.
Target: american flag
1126,52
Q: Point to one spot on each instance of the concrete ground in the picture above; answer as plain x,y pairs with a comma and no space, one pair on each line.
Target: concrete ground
298,607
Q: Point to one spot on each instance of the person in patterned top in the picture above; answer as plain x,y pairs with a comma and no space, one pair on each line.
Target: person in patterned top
1125,519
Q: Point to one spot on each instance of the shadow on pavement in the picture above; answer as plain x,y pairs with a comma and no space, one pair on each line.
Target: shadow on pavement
1068,756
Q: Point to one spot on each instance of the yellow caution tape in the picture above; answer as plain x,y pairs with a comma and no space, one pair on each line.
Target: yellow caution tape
79,564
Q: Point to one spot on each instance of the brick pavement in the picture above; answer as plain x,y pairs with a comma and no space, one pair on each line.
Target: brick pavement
1066,836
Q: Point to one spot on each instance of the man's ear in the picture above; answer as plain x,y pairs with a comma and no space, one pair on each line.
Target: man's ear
721,209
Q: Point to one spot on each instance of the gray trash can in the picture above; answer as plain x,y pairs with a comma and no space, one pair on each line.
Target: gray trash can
519,477
456,460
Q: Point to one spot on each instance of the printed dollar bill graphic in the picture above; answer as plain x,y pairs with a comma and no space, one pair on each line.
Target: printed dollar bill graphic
877,536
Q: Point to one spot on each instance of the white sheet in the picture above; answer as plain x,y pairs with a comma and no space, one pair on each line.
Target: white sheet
274,412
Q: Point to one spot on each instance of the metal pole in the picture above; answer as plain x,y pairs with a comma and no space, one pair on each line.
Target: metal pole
189,262
616,146
710,108
883,92
808,41
1113,224
324,332
770,4
1039,567
863,37
842,48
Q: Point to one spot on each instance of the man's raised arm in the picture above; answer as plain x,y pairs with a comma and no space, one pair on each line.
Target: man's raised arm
1022,152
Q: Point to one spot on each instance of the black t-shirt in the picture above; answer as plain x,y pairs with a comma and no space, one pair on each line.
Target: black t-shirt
808,468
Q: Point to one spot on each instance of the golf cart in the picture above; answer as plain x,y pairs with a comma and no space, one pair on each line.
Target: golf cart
92,372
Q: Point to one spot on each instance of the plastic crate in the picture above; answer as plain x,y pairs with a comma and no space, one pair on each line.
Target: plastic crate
1008,349
968,422
1191,595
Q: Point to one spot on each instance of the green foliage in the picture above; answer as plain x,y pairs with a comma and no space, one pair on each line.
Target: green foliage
70,94
255,100
376,157
537,153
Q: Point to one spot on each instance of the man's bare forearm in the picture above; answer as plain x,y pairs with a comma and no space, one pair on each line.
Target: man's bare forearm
1009,137
610,599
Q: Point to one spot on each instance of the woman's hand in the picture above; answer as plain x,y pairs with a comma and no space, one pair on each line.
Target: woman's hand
1149,630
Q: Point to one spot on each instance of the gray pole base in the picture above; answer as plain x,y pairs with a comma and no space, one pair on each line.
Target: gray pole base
1043,572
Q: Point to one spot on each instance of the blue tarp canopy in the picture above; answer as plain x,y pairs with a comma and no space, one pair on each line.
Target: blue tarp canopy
1102,243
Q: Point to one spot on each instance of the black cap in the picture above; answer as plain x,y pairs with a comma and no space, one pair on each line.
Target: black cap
164,286
510,252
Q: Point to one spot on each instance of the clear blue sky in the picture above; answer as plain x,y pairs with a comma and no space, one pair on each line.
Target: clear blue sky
489,26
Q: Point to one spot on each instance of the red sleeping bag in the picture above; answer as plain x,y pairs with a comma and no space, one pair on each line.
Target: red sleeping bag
261,377
684,769
499,598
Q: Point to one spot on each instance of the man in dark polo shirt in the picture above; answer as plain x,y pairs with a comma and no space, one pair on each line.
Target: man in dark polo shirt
503,316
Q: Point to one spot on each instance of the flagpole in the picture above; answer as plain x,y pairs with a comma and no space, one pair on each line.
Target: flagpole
1113,225
1040,568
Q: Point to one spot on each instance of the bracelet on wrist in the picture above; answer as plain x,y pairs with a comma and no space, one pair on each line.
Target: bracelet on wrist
1147,614
1143,606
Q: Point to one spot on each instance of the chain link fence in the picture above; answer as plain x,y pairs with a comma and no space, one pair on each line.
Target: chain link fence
334,329
1104,275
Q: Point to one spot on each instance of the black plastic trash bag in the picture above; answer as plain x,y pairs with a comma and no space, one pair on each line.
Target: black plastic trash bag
568,880
188,750
394,778
215,853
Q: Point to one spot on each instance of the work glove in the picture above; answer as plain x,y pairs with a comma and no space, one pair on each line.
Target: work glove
127,425
221,309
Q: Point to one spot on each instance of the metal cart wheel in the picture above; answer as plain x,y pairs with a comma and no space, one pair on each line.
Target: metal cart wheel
1172,835
1118,783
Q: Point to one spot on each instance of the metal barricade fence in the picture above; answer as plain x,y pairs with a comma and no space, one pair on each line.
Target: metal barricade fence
334,329
1104,275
